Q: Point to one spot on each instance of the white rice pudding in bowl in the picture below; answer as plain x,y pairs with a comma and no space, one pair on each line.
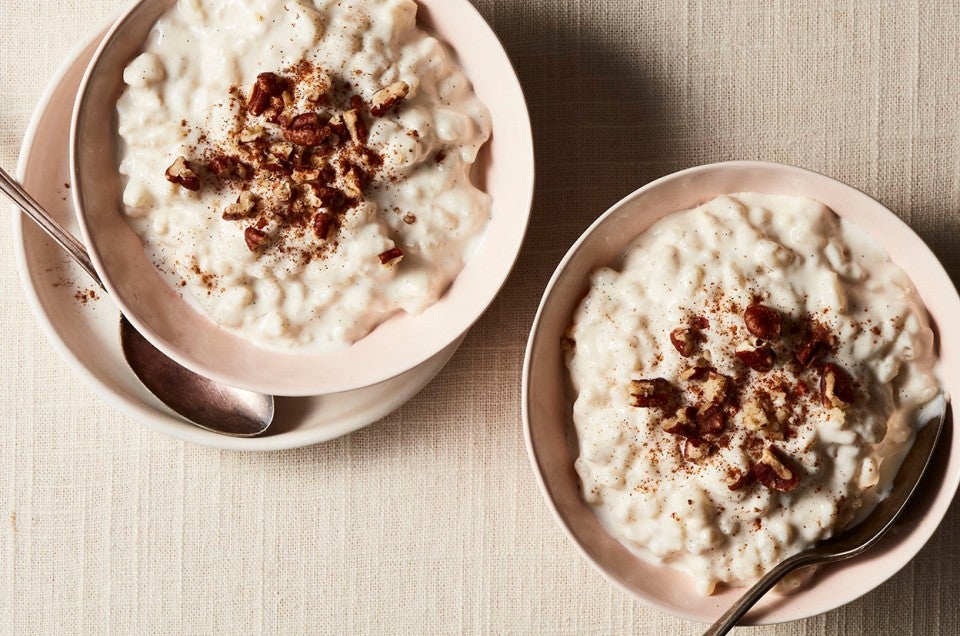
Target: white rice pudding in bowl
300,170
746,384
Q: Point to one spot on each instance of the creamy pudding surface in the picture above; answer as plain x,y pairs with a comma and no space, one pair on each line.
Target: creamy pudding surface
300,170
746,384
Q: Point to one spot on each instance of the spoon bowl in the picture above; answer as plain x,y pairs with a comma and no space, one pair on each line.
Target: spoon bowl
857,539
211,405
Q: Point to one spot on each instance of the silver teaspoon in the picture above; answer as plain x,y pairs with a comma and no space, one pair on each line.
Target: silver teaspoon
858,538
204,402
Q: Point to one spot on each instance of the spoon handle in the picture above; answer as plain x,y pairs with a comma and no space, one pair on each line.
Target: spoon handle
729,619
31,208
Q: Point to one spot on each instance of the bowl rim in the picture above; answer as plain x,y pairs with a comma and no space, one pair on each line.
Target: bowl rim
952,482
454,323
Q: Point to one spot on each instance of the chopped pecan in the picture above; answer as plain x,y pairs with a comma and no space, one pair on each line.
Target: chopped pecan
653,393
715,387
711,419
760,415
269,86
323,222
762,321
684,340
837,388
254,238
681,423
409,219
696,449
244,207
183,175
355,126
307,129
353,182
699,371
760,358
221,165
809,352
282,190
388,97
391,256
776,471
736,479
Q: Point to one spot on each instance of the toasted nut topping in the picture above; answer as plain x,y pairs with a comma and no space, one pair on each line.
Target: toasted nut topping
760,415
409,219
281,190
268,87
355,126
353,182
682,423
760,358
183,175
323,222
386,98
776,471
762,321
248,135
306,129
698,371
221,165
684,340
736,479
655,393
711,419
715,387
391,256
244,207
254,238
695,449
807,354
837,389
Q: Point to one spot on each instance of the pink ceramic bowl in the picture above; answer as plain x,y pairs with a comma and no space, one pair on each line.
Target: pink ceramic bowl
398,345
546,406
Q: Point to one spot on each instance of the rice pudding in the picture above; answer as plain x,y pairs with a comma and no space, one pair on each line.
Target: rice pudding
746,384
301,170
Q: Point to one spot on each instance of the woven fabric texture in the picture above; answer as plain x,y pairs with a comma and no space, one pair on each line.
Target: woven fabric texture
430,521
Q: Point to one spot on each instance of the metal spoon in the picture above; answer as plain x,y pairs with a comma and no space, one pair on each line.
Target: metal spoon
856,540
204,402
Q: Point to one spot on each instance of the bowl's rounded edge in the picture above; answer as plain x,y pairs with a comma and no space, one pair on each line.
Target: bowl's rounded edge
916,536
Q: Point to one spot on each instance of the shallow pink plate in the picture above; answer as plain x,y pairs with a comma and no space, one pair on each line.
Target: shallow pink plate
546,408
505,171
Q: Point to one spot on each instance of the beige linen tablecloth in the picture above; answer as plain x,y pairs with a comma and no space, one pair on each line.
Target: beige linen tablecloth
430,521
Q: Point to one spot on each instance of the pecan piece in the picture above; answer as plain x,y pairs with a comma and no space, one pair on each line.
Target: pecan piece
682,423
808,353
388,97
355,125
760,358
837,389
183,175
711,419
323,222
307,129
715,387
654,393
762,321
254,238
684,340
267,88
696,449
244,207
736,479
221,165
760,415
391,256
776,471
